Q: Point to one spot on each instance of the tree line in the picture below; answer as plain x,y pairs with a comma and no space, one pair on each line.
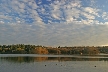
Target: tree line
39,49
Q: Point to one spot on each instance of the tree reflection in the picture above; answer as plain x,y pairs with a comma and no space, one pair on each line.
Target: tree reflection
40,59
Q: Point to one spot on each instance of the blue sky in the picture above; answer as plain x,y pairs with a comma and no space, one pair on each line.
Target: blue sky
54,22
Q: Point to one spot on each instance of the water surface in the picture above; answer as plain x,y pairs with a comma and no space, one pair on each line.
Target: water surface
55,63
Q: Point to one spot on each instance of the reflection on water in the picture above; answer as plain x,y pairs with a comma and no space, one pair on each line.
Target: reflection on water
57,63
20,59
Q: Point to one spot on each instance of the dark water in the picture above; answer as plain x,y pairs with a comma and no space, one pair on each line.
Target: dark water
53,63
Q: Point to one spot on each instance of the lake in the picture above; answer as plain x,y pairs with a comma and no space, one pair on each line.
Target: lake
53,63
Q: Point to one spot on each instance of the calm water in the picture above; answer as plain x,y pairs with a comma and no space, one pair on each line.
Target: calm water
53,63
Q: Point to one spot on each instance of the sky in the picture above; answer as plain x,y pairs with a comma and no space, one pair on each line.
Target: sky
54,22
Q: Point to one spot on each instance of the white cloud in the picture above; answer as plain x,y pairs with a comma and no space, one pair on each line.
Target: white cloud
91,10
106,23
87,22
55,16
105,15
5,17
1,22
22,5
88,16
69,20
